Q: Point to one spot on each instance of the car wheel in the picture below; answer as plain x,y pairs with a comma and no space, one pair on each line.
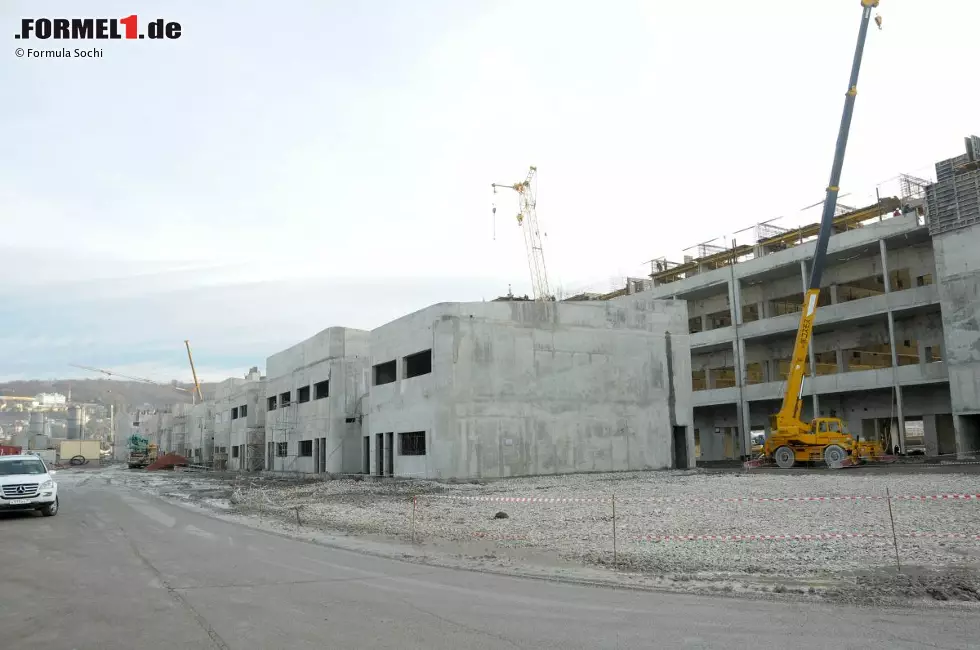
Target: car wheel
50,510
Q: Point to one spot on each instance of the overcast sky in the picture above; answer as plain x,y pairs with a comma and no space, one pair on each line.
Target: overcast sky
276,171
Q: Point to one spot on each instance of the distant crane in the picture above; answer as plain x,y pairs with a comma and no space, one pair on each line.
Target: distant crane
197,384
527,219
113,373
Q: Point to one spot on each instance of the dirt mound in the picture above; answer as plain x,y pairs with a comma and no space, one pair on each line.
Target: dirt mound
167,461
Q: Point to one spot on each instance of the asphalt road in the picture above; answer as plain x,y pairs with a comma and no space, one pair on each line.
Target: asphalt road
116,569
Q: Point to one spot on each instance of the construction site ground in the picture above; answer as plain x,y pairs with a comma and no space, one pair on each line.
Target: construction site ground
807,534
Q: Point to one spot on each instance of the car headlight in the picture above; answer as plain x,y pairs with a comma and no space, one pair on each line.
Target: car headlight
47,484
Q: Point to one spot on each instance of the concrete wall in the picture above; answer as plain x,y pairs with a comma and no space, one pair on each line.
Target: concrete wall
958,270
228,394
339,356
522,388
247,433
200,425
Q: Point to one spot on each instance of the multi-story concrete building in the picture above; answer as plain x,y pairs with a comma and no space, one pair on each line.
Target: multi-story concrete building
246,416
314,403
201,430
518,388
180,438
895,336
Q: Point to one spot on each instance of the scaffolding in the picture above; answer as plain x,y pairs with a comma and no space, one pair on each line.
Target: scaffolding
769,239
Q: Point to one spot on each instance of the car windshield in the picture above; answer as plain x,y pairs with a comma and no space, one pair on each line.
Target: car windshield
21,466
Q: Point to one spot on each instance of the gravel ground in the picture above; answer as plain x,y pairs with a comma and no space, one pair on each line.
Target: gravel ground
651,504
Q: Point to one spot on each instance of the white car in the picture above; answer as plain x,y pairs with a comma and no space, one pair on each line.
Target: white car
26,484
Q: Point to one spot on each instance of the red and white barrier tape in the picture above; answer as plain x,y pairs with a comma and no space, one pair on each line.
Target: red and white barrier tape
901,497
797,538
521,499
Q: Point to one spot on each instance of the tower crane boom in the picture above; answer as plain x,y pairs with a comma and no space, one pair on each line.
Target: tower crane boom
113,373
527,219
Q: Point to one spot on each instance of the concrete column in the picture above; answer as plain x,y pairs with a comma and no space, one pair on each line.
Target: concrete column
833,294
841,359
930,435
766,370
704,323
709,378
921,351
900,412
738,349
967,437
763,309
744,419
813,365
735,301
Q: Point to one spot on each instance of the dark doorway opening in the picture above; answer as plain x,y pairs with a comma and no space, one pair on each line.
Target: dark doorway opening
366,456
379,450
390,453
680,448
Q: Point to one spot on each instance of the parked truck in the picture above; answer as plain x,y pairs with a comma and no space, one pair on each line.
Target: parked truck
141,452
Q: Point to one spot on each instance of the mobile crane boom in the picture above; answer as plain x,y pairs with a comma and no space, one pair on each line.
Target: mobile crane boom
197,384
793,439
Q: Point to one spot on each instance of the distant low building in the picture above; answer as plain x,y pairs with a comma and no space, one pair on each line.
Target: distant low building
50,400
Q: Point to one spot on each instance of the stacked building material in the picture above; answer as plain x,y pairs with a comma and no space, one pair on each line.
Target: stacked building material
953,202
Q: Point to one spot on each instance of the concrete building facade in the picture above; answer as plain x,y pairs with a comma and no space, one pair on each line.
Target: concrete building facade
895,335
201,430
518,388
244,410
314,400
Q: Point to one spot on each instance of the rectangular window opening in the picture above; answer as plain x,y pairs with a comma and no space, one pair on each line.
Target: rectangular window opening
418,364
306,448
321,389
411,443
285,398
303,394
243,410
234,413
281,449
270,403
234,451
384,373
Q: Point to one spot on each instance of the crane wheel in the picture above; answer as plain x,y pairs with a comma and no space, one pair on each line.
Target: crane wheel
834,456
784,457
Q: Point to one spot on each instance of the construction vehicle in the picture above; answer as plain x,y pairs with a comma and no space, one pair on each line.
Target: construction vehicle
824,439
141,452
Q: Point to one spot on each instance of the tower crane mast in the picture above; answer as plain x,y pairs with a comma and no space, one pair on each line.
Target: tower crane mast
527,219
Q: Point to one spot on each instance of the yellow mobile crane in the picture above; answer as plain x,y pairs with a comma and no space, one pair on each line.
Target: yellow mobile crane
823,439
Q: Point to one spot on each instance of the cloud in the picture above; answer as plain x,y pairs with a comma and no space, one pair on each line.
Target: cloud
231,326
